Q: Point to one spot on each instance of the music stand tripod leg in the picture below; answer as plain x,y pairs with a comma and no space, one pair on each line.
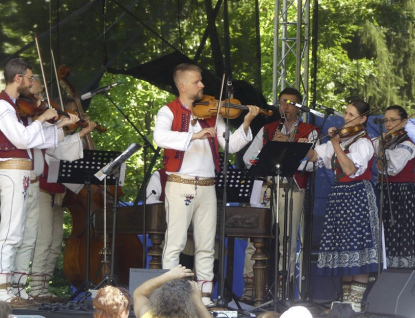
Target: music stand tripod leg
111,279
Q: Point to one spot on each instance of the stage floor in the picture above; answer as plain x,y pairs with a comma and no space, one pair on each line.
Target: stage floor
35,312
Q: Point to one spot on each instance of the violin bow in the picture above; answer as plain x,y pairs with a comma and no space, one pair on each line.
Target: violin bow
57,79
341,127
42,70
398,127
220,99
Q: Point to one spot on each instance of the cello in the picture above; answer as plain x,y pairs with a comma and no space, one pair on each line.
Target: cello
128,246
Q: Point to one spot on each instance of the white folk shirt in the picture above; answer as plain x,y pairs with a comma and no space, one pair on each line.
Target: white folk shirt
197,151
360,153
398,157
33,136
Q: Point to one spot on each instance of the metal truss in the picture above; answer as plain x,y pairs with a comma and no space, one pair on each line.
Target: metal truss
291,46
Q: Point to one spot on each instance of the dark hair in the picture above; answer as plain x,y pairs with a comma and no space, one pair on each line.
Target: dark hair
401,111
14,67
362,107
341,311
291,91
173,299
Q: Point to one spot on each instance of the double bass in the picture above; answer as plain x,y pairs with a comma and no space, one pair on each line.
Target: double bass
128,247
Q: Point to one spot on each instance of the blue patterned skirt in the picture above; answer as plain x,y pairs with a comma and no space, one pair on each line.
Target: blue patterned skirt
349,241
400,234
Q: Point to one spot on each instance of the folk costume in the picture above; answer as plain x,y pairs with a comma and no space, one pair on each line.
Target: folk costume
298,130
349,240
50,229
15,167
399,229
190,194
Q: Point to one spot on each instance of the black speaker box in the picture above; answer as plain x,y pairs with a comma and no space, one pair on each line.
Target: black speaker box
140,275
393,294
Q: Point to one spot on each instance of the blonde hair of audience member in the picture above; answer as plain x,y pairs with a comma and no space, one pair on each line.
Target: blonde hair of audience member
269,314
5,310
112,302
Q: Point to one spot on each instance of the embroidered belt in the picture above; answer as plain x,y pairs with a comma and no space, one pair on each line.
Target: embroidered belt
16,164
178,179
35,180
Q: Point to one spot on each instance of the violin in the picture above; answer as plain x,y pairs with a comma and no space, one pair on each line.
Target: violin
346,132
30,106
82,124
208,107
394,138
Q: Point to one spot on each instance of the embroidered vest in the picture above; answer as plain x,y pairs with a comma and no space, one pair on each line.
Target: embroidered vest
173,159
406,175
303,131
7,149
340,176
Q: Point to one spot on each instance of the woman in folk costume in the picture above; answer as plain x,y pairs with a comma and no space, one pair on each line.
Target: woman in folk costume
399,224
349,241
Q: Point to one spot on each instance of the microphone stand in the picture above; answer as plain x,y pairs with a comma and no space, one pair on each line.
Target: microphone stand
222,302
287,239
383,175
145,147
308,217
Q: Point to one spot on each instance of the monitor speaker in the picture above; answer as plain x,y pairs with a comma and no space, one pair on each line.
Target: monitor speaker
140,275
393,294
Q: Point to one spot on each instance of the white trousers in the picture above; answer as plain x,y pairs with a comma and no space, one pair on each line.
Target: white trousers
50,234
14,185
25,251
298,201
201,209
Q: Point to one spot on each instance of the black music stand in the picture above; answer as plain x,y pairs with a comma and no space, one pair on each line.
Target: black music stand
81,172
113,169
279,159
239,185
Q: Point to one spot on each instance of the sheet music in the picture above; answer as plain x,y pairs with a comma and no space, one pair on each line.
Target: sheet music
256,192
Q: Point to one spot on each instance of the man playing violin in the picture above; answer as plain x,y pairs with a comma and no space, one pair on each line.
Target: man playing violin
349,240
288,129
50,232
399,152
72,149
190,158
44,221
16,140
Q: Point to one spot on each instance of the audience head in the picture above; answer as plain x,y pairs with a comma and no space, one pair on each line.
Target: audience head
269,314
112,302
5,310
297,312
173,299
341,311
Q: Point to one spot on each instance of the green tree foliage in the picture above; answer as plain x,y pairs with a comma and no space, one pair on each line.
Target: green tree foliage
366,49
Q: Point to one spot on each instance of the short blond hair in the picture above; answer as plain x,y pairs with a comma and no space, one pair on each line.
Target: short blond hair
269,314
181,69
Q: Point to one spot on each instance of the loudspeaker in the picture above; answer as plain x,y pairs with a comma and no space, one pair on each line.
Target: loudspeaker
393,294
140,275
